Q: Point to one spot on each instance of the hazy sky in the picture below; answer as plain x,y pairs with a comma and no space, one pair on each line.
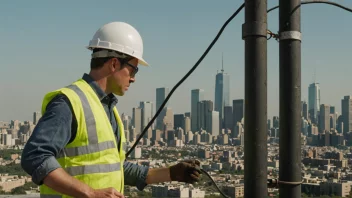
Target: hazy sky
43,48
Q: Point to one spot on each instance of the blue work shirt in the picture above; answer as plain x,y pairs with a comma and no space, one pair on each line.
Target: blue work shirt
58,127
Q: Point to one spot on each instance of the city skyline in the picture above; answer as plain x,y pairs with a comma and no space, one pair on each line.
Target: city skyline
152,109
63,57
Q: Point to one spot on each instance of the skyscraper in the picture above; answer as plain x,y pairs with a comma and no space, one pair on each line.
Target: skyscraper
137,119
333,117
36,117
228,117
147,113
205,107
238,110
324,121
161,94
213,126
196,96
314,100
346,106
222,93
179,120
276,122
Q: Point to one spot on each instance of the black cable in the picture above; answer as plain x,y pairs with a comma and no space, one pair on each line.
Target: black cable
207,174
200,60
317,1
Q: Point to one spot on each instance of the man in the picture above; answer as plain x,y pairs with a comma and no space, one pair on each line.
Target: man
78,146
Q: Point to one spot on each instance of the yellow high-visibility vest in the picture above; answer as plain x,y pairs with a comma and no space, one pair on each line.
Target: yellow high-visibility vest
92,157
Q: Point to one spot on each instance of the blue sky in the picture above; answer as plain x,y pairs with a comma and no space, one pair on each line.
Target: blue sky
43,48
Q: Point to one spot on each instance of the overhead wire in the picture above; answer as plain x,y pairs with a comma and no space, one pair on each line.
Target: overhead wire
317,1
271,182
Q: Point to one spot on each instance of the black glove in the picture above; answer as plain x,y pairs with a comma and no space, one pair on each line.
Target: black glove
186,171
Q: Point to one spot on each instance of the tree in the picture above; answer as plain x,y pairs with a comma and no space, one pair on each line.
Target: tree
18,190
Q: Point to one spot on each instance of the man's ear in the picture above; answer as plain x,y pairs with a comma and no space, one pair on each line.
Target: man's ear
114,65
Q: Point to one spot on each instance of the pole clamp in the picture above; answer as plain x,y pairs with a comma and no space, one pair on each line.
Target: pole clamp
254,29
274,183
293,35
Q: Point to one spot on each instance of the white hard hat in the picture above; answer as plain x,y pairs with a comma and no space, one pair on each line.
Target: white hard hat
120,37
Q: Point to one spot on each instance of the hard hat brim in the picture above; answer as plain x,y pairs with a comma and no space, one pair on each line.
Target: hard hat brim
142,62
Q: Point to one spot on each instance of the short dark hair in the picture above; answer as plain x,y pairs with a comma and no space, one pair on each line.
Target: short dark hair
96,63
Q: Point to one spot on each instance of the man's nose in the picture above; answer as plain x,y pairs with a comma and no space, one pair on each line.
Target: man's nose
132,80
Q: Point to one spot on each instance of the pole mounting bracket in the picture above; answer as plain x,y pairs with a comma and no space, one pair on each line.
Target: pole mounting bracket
290,35
254,29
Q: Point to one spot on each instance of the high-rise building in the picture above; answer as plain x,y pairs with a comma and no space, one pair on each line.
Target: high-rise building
238,129
222,93
213,120
276,122
196,96
346,109
36,117
126,121
332,110
187,126
238,110
314,101
333,117
339,124
161,94
188,114
137,120
228,117
147,113
205,107
324,121
168,119
179,120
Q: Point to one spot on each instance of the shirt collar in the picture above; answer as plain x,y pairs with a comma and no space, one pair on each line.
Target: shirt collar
100,93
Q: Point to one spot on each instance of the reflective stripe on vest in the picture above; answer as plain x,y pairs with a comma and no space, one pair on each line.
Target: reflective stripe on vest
84,157
96,168
89,117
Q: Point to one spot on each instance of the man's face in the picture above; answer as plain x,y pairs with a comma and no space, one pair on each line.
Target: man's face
122,76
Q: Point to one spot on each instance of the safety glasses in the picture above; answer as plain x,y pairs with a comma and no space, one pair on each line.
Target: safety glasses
134,71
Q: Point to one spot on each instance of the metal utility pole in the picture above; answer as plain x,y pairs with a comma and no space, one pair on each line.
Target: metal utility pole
290,98
254,32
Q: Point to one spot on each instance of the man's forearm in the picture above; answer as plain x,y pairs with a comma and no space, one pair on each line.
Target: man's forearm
64,183
158,175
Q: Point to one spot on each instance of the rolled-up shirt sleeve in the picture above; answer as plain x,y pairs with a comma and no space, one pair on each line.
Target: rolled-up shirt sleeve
49,137
135,175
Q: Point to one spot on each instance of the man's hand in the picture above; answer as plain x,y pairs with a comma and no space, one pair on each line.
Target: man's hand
105,193
186,171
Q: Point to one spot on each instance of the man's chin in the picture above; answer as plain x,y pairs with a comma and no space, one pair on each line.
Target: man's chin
120,93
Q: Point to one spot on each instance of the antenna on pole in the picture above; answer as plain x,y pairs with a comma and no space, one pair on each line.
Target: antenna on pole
314,75
222,62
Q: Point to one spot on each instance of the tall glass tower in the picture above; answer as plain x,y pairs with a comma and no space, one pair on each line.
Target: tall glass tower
314,100
222,92
161,94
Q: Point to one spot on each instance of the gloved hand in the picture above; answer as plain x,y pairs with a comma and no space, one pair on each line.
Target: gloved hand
186,171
